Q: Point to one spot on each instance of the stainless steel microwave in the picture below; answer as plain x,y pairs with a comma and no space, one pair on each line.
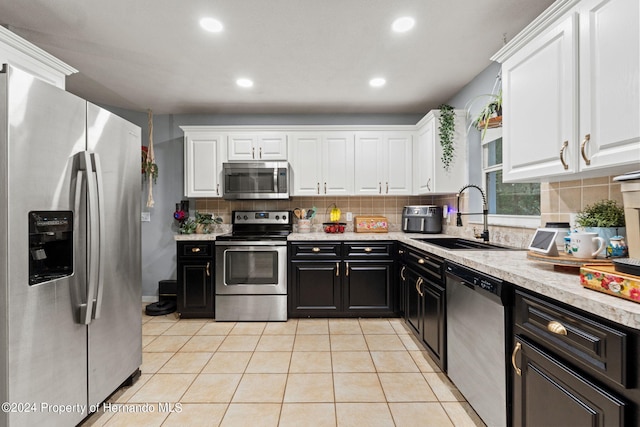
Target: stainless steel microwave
255,180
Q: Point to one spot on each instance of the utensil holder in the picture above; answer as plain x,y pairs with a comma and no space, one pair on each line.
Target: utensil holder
304,226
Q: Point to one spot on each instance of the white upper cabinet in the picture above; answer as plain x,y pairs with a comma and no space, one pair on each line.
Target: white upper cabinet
571,92
383,163
322,163
430,176
255,146
202,165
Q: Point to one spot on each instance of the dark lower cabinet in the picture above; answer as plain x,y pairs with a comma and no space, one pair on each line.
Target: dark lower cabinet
367,287
422,282
334,279
570,368
195,284
549,393
314,288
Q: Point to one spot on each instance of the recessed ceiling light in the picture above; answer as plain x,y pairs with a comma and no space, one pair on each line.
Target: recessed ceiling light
244,82
402,25
377,82
211,24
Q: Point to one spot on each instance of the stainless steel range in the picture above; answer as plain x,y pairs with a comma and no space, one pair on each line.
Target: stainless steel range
251,267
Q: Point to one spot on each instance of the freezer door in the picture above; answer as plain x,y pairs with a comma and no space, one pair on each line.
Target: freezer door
115,333
44,350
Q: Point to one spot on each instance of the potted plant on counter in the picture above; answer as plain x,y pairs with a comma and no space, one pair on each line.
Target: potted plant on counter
205,222
604,217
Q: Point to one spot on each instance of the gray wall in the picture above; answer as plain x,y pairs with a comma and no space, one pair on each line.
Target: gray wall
158,246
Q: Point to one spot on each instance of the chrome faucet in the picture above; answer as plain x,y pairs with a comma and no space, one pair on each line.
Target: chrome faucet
485,213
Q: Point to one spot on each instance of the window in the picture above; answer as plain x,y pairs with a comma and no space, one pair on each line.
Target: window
506,200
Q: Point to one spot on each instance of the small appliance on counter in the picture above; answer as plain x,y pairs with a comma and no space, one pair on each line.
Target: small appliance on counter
630,188
422,219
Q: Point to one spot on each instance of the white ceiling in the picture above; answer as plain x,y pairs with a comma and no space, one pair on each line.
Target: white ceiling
305,56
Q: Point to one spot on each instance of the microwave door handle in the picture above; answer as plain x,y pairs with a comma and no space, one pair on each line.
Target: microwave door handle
275,179
101,234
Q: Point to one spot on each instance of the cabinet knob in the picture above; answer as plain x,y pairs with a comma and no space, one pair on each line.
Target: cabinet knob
400,251
421,261
367,250
556,328
195,250
583,148
315,249
516,349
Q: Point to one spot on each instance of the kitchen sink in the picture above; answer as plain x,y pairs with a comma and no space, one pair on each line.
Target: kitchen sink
457,243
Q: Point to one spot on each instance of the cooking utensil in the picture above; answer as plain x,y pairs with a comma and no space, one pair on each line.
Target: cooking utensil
298,213
311,213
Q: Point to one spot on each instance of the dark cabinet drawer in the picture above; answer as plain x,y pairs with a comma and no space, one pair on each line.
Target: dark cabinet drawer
426,264
193,249
589,344
316,250
368,250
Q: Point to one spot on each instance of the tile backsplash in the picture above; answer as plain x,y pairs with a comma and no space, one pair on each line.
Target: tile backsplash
558,202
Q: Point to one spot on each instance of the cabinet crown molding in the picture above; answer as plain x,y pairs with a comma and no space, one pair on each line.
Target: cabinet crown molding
546,18
11,41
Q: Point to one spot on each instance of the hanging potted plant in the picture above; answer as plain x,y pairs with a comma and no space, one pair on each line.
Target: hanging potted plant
491,115
149,166
446,133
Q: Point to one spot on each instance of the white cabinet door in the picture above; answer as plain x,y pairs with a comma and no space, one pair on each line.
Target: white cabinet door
305,157
424,151
202,166
430,175
539,90
337,163
256,146
609,84
397,158
368,165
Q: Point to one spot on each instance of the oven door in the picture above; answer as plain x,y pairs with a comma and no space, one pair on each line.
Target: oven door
251,268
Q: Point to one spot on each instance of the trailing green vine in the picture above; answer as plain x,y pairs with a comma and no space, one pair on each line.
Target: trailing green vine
447,126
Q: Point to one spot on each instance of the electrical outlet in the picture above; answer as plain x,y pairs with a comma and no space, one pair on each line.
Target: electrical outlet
145,216
349,216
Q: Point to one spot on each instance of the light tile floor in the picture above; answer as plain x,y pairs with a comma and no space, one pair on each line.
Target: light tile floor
303,372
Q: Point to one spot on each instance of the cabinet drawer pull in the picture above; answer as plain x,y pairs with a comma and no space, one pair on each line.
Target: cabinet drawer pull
337,268
260,152
400,251
346,271
564,147
253,152
195,250
367,250
387,188
315,249
418,284
404,267
421,261
557,328
208,272
217,189
325,188
379,188
318,188
583,147
516,349
429,184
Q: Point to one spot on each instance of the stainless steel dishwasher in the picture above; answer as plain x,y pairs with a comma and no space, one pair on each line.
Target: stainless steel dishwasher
478,335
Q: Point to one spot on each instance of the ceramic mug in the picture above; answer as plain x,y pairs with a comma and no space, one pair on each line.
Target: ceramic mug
586,245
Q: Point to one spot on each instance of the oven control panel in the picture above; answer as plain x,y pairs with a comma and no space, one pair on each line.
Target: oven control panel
261,217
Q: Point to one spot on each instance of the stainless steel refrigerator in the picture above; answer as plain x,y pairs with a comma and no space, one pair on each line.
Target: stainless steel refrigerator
70,285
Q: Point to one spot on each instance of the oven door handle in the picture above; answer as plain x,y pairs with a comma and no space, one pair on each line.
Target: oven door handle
235,243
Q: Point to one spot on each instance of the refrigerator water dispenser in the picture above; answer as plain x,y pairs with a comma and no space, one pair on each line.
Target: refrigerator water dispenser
50,245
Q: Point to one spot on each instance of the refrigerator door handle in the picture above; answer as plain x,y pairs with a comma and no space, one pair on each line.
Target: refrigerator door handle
92,196
80,179
97,168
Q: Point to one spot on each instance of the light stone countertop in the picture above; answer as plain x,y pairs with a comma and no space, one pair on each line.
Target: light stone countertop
511,266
